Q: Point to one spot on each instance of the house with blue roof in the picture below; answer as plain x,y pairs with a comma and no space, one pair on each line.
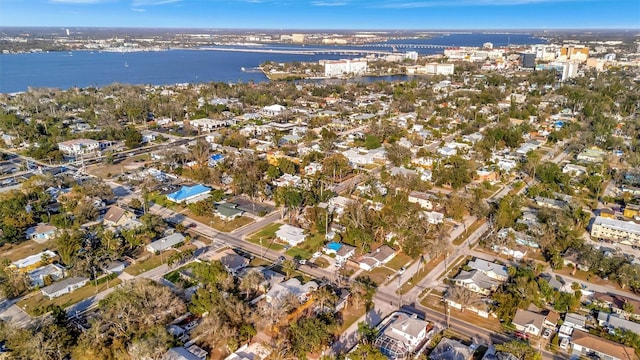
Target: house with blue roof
189,194
215,159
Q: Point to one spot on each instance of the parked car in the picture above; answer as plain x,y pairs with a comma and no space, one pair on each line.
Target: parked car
316,255
564,343
402,270
546,333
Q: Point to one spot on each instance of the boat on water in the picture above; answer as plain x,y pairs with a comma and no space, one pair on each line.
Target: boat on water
243,69
126,64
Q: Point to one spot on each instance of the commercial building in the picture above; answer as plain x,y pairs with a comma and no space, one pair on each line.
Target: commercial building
79,146
188,194
626,232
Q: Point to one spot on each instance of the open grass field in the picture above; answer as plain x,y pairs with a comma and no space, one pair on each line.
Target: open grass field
219,224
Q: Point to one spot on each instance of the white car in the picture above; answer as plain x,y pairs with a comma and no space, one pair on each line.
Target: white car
564,343
316,255
546,333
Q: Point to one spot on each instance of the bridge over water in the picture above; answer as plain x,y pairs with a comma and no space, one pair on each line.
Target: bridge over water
407,46
301,52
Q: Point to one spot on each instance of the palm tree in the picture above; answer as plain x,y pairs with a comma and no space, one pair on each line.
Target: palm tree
325,295
251,282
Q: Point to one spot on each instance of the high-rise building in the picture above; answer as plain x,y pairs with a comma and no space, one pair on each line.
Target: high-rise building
528,60
297,38
574,52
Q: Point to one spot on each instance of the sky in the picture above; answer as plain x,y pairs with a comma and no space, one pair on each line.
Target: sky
325,14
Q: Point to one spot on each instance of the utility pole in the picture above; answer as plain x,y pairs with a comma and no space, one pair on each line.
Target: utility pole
400,289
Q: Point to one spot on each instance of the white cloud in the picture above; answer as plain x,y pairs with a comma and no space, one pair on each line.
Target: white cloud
138,10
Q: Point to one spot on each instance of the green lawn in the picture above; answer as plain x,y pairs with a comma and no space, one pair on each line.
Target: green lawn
379,275
37,304
161,200
219,224
398,261
267,233
151,263
308,247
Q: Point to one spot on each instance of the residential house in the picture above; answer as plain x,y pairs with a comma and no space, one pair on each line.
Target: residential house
44,274
181,353
550,203
528,322
215,159
422,199
574,170
272,110
33,261
148,136
476,281
575,321
433,217
492,270
344,253
233,262
583,343
291,287
377,257
449,349
516,252
188,194
592,154
290,234
622,305
572,258
270,277
614,322
115,267
64,286
228,211
117,216
402,335
253,351
41,233
165,243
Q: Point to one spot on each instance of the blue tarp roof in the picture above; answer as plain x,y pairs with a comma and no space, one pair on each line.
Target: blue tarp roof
187,192
334,246
217,157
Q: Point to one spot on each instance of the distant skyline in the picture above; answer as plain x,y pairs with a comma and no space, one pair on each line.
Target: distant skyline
325,14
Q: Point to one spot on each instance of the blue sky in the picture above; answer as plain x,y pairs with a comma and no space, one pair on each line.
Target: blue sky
325,14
